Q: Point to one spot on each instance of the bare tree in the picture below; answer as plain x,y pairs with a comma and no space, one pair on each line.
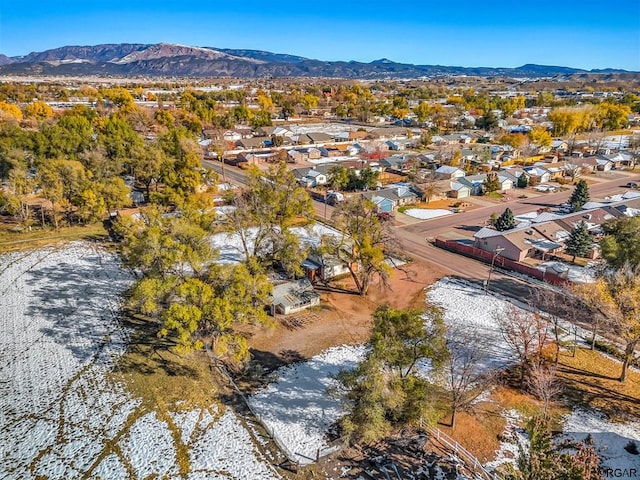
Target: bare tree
467,374
543,383
558,308
527,334
573,169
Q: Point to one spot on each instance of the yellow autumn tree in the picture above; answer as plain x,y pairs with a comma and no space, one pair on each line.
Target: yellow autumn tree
10,111
38,110
616,294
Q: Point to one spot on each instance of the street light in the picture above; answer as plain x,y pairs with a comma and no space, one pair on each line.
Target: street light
497,252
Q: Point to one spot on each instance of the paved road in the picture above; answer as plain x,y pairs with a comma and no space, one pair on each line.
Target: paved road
231,174
414,236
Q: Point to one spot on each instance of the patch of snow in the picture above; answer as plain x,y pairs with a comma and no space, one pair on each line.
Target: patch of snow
513,435
468,306
225,446
297,409
426,214
573,273
230,244
609,440
149,448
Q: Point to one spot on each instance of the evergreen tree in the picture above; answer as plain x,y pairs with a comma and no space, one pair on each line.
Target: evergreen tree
579,241
488,121
621,243
385,390
580,195
523,181
506,221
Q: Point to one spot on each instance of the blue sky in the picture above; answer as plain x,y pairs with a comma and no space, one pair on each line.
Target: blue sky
586,34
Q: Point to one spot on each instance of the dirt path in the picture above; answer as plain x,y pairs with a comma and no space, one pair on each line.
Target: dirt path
342,318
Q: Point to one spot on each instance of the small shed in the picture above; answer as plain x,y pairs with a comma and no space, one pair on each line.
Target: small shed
293,296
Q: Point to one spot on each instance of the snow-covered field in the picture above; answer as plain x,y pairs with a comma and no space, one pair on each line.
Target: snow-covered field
62,414
469,308
296,406
299,411
426,214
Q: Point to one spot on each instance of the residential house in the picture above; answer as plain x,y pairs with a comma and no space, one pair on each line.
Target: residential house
604,164
266,131
296,156
390,133
583,164
457,138
252,143
458,190
313,178
399,163
319,137
467,155
398,195
476,182
559,146
382,204
538,174
394,145
446,172
313,153
294,296
351,136
503,153
333,151
512,174
323,267
281,131
516,244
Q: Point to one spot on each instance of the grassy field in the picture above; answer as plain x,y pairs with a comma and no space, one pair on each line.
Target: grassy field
12,240
591,379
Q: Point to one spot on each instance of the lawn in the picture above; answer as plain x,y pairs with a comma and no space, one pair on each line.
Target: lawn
12,240
590,380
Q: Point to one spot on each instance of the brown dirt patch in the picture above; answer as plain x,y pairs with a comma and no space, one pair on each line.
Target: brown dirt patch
342,318
479,431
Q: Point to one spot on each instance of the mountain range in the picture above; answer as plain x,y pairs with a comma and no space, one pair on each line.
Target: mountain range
173,60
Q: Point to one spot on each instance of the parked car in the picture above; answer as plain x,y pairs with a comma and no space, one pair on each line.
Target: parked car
631,185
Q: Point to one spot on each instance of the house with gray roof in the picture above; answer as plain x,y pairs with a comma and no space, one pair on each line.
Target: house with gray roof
446,172
476,182
293,296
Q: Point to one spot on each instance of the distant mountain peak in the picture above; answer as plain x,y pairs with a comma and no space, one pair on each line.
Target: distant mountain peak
174,59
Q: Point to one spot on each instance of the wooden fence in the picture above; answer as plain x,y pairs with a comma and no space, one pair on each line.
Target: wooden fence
452,447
